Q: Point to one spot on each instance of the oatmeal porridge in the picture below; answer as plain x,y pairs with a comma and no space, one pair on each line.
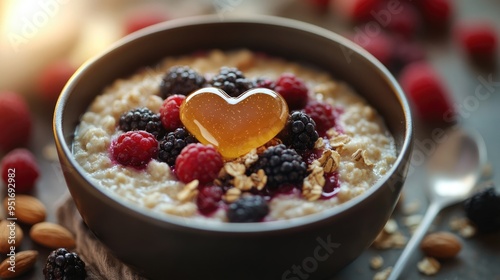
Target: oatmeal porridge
135,142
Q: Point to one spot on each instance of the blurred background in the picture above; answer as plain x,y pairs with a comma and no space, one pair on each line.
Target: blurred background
42,43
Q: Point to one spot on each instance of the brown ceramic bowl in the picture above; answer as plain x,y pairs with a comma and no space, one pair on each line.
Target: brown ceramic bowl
168,247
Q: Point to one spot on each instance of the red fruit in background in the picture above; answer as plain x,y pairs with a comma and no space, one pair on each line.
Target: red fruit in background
478,39
356,10
134,148
20,169
406,52
405,22
380,46
426,92
15,121
436,13
293,90
208,198
53,78
143,18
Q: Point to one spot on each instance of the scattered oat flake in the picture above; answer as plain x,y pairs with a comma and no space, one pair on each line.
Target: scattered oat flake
232,195
234,168
376,262
339,141
429,266
468,231
189,191
312,187
319,144
329,160
259,179
391,226
463,226
384,274
411,207
412,221
243,182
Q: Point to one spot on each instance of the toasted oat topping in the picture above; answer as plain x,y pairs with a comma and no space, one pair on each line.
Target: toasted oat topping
234,168
360,155
376,262
189,191
429,266
232,195
312,187
338,142
329,161
384,274
259,179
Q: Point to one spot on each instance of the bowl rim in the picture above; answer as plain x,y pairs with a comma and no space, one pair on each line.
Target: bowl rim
215,226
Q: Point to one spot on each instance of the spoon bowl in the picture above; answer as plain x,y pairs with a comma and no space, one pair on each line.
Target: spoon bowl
453,171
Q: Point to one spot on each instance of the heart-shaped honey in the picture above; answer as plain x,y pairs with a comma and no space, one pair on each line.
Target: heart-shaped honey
234,126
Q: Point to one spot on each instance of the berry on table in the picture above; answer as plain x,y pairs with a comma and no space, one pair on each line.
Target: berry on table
209,197
142,119
181,80
53,78
323,114
169,112
232,81
198,162
436,13
15,121
478,40
380,46
282,166
248,209
427,93
143,18
172,144
134,148
299,132
62,264
293,90
20,168
483,209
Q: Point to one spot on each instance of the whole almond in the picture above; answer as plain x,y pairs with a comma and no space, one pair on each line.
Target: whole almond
52,235
11,234
441,245
24,261
27,209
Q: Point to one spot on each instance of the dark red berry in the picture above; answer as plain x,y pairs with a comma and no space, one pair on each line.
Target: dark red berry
323,114
53,78
20,169
380,46
293,90
198,162
405,23
208,199
332,185
143,18
169,112
15,121
427,92
134,148
436,13
479,39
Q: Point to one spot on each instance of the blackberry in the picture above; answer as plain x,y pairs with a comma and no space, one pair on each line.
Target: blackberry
181,80
299,132
142,119
248,209
62,264
232,81
173,143
282,166
483,209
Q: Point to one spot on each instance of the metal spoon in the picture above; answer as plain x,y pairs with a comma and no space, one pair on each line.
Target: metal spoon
453,171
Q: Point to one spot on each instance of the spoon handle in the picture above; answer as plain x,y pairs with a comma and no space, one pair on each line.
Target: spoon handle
431,213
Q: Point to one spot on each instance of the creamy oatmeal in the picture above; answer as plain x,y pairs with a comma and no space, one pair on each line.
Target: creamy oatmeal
350,157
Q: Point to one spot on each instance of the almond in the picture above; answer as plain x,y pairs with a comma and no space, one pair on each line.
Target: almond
441,245
23,262
52,235
11,234
27,209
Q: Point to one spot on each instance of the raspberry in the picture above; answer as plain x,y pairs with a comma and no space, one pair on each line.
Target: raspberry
282,166
483,208
427,93
19,167
356,10
208,199
323,114
407,52
478,40
380,46
436,13
53,78
15,121
181,80
293,90
299,132
142,119
169,112
62,264
198,162
248,209
172,145
405,24
134,148
142,19
232,81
